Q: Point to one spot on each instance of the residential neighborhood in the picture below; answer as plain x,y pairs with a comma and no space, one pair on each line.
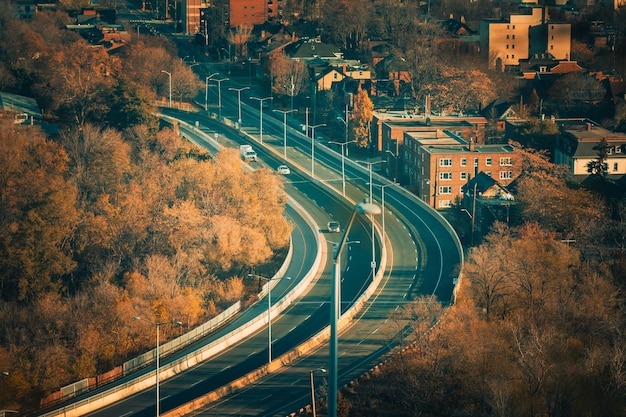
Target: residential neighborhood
504,121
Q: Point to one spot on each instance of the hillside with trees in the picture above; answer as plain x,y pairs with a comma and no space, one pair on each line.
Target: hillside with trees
114,217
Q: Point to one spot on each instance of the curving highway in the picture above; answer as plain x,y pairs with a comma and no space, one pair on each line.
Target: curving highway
423,257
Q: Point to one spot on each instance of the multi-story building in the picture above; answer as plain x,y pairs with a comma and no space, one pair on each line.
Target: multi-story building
388,129
253,12
508,41
237,13
439,167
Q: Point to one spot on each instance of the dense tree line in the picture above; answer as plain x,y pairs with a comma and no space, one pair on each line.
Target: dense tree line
114,217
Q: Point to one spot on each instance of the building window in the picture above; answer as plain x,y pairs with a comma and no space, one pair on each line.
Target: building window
507,26
464,175
513,26
551,46
507,36
445,203
507,47
512,56
445,189
488,162
488,173
445,162
506,175
552,37
475,162
615,166
513,36
512,46
505,162
463,162
445,175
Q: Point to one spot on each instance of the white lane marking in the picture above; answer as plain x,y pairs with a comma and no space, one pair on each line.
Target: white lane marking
250,354
127,414
196,383
295,382
223,369
375,330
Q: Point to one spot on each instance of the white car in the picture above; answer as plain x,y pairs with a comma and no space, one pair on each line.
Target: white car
334,226
283,169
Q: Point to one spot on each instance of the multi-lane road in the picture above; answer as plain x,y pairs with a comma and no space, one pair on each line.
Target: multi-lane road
423,258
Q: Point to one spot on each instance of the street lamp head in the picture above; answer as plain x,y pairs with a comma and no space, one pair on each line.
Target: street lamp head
177,323
368,208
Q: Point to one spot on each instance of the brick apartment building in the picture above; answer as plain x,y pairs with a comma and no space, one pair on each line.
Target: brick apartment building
439,166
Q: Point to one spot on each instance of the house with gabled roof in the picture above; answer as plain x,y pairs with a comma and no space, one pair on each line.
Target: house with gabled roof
308,49
576,146
22,109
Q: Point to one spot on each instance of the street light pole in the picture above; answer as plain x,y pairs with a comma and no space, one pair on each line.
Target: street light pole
313,147
206,91
170,78
269,311
373,264
157,325
239,90
343,164
335,306
313,388
261,100
219,94
285,112
395,159
345,121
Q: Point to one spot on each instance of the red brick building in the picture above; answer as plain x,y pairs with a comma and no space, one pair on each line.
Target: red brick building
438,167
253,12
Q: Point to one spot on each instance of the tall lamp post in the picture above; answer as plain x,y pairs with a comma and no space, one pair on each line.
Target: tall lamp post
239,90
313,147
261,100
373,264
335,306
219,94
157,325
285,112
169,74
343,164
345,121
206,90
395,165
313,388
382,200
269,311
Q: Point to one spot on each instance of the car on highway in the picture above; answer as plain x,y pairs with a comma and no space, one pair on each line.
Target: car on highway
334,226
283,169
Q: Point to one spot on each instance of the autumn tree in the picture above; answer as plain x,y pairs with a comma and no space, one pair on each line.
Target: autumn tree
361,118
81,82
457,90
289,77
240,37
38,214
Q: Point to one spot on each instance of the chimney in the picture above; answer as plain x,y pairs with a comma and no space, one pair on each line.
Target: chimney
588,126
427,106
471,145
